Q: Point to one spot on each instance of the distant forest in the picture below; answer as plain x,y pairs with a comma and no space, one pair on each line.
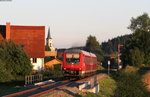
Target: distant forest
108,47
111,46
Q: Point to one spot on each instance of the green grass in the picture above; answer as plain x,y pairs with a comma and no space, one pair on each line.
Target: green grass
100,67
107,87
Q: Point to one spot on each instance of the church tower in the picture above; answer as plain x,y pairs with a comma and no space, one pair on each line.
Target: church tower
49,41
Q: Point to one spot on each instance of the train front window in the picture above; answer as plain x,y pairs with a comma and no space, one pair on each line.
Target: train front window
72,58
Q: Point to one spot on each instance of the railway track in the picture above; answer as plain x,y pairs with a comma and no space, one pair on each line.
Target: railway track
38,91
34,92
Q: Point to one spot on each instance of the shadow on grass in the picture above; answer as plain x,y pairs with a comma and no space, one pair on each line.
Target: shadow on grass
143,70
11,87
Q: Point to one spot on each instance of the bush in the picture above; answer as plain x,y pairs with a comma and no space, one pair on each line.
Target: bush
129,84
5,75
52,74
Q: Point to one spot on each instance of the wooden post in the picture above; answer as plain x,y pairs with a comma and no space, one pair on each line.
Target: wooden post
25,80
108,66
28,79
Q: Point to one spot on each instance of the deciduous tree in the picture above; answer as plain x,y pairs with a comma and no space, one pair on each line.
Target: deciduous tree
14,59
92,45
141,22
137,49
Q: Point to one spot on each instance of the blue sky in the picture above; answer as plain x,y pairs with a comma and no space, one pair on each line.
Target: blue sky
72,21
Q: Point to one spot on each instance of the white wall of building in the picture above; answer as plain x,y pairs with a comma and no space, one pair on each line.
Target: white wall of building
39,65
50,44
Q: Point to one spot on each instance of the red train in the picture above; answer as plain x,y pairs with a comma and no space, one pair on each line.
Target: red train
79,63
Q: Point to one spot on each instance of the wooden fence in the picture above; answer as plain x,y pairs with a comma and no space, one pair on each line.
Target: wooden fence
31,79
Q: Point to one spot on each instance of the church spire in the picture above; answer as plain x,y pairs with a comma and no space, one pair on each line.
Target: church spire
50,41
49,35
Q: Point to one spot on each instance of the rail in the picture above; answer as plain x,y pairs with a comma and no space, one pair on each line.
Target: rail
34,91
51,87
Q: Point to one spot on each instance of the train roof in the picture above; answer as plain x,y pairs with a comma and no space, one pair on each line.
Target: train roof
78,51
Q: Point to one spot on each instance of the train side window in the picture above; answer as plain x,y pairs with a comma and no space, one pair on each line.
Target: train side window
87,60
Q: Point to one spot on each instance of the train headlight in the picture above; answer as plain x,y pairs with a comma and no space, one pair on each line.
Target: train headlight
79,68
64,68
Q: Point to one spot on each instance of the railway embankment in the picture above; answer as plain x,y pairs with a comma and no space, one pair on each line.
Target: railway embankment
85,86
129,82
117,84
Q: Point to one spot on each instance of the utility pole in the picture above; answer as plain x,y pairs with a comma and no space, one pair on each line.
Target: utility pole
119,54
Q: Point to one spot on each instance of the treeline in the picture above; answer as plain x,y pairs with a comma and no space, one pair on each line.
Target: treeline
111,46
105,48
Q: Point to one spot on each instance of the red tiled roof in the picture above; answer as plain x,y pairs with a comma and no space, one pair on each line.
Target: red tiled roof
31,37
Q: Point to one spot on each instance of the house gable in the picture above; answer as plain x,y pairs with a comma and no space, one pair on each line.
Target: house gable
30,38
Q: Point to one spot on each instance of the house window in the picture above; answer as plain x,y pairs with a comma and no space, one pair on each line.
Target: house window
34,60
21,46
